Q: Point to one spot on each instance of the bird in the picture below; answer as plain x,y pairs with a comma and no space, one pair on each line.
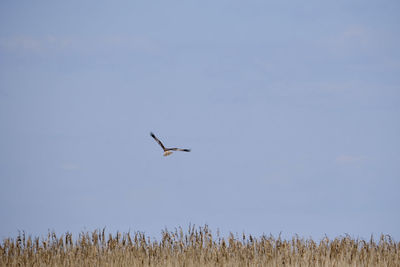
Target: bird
168,151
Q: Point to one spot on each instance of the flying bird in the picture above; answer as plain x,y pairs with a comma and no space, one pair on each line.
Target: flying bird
168,151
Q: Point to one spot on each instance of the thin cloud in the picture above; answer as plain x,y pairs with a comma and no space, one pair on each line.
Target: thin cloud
349,159
35,44
355,33
98,43
20,42
70,166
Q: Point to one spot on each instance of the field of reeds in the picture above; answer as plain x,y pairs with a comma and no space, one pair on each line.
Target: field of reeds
197,246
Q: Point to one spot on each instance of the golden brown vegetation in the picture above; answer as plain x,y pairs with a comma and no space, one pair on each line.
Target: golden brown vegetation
196,247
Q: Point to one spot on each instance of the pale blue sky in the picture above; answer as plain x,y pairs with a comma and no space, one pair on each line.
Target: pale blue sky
291,109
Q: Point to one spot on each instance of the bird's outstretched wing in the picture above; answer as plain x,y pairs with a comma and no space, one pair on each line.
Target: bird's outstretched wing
178,149
158,141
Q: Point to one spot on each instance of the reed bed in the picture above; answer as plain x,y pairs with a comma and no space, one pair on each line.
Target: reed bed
195,247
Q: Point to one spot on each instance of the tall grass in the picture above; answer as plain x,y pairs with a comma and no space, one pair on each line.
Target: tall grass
194,247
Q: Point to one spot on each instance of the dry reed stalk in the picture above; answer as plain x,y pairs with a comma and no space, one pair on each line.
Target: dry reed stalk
196,247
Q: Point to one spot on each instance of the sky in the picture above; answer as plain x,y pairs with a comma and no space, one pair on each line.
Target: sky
291,109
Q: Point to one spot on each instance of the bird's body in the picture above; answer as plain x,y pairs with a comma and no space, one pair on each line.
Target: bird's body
168,151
